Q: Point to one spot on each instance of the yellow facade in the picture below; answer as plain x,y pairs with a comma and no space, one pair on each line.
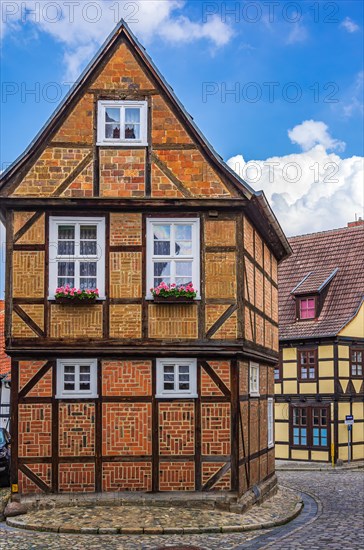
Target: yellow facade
349,399
355,328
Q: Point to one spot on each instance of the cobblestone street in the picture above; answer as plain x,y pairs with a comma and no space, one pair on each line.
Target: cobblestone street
335,523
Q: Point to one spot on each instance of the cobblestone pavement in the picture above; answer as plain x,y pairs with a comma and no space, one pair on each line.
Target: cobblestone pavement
159,519
337,525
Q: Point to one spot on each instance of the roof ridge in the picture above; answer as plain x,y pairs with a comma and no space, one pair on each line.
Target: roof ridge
353,227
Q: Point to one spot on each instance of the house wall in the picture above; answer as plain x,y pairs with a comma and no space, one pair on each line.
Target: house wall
334,387
127,438
225,312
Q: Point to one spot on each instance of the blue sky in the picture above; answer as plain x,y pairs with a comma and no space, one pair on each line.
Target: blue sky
295,68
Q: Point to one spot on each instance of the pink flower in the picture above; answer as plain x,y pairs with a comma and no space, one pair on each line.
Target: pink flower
79,291
157,291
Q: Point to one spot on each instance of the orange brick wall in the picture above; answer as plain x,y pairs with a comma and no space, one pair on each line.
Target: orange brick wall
127,430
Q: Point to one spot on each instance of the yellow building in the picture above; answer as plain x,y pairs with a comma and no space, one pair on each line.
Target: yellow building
319,378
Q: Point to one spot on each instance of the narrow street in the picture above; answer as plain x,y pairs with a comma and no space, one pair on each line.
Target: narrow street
332,519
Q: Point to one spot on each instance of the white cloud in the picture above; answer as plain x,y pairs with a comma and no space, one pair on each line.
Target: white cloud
298,34
349,25
352,101
311,133
309,191
82,26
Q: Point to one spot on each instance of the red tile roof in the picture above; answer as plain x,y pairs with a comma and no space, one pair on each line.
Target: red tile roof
314,281
4,359
321,253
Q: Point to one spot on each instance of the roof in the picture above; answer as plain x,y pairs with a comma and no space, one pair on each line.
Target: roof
5,363
333,260
315,281
267,220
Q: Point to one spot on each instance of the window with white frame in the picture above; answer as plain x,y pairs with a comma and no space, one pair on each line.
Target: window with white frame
270,420
77,254
254,379
76,378
176,378
122,122
173,252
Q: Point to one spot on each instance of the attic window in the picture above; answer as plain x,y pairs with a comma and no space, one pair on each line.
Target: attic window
307,308
122,123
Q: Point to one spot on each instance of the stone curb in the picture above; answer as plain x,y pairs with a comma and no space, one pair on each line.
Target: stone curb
20,524
336,469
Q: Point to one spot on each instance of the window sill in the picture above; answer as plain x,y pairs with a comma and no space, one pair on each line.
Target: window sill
176,396
76,396
115,143
75,303
254,394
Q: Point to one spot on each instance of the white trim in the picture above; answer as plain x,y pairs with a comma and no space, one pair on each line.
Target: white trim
270,422
76,394
101,107
176,394
254,388
54,222
195,257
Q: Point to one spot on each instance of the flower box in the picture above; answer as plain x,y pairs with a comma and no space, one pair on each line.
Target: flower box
77,297
75,301
173,299
173,294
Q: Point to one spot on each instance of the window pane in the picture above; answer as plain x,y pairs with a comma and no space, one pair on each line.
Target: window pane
295,416
69,387
303,436
69,368
162,269
84,377
168,377
132,115
159,280
66,269
88,283
66,232
303,373
88,232
183,248
132,131
184,269
85,386
88,248
162,248
88,269
184,377
168,368
66,248
69,377
184,386
184,369
183,232
168,386
85,368
112,114
112,131
161,232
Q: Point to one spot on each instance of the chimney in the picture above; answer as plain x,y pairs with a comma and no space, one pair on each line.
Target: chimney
359,221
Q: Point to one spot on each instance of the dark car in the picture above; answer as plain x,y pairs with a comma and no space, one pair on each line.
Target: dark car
4,455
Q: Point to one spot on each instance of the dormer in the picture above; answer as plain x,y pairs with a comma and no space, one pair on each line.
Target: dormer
309,294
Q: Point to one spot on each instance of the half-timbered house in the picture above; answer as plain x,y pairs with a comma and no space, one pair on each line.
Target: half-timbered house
121,191
319,380
5,367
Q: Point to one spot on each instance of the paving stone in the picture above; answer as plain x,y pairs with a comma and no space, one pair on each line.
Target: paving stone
334,521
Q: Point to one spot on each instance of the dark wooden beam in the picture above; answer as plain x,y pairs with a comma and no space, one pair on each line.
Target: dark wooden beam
34,478
33,381
28,320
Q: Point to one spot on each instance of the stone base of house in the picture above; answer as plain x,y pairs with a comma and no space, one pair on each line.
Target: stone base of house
219,500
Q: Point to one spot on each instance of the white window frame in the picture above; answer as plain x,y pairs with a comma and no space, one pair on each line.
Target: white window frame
101,108
177,393
270,422
54,258
77,393
195,222
254,388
